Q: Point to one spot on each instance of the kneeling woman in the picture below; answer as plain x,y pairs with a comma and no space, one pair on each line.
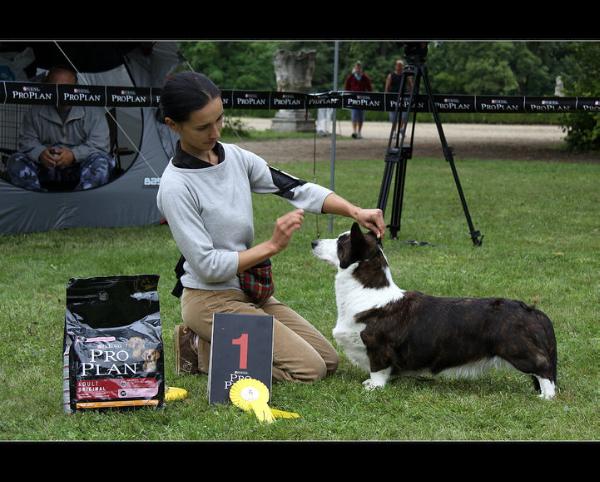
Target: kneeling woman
205,196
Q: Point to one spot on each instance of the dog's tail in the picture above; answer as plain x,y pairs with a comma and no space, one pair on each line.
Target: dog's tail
546,343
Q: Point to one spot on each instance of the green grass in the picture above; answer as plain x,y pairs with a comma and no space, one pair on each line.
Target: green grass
542,244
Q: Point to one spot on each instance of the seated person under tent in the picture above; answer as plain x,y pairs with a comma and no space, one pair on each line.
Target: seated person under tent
62,148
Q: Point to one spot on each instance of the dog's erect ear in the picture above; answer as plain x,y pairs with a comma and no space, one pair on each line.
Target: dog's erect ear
356,234
351,251
357,241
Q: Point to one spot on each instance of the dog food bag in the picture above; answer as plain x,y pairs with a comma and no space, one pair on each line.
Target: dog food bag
113,349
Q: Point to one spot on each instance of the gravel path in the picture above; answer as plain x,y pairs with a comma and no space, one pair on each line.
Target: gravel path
469,141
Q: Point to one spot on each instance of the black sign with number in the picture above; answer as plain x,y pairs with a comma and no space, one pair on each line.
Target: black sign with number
241,347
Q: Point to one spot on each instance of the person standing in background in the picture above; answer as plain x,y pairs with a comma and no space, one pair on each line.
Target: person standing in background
392,84
358,81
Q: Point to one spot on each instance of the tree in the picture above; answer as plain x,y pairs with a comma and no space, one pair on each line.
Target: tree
583,79
480,68
234,65
497,68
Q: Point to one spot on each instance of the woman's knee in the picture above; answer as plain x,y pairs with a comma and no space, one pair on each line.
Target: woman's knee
318,370
196,315
331,363
311,370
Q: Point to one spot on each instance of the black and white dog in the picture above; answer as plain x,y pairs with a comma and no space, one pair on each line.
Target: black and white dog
386,330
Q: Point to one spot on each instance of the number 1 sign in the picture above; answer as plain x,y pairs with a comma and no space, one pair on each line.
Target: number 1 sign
241,347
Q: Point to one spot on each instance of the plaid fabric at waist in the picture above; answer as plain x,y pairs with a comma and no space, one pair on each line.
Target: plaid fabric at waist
257,282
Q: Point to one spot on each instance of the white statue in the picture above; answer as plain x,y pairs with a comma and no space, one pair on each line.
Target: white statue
293,73
559,87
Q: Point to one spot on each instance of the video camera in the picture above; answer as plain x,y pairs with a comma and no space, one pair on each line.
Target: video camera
415,52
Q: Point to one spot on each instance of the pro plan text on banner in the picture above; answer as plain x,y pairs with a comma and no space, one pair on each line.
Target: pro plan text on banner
30,93
127,96
241,347
91,95
113,349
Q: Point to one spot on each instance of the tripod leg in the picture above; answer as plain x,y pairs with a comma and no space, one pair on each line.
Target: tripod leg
385,185
397,156
391,159
476,236
398,198
404,153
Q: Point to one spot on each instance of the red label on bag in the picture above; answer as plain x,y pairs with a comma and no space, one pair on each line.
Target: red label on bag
111,388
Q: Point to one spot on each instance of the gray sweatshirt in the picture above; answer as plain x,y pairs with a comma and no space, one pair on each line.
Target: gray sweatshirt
210,215
84,132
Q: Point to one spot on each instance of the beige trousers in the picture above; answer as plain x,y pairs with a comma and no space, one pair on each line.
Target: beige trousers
300,351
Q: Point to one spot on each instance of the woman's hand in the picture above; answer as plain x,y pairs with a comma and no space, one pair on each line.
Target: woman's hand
371,219
285,227
282,234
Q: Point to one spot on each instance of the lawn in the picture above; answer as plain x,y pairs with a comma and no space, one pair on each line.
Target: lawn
541,223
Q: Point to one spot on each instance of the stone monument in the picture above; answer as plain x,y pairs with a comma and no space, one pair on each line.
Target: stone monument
293,72
559,87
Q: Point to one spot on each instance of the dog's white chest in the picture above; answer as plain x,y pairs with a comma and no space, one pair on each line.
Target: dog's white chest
353,298
353,346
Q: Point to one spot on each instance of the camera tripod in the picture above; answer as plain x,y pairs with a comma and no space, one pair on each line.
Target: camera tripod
398,154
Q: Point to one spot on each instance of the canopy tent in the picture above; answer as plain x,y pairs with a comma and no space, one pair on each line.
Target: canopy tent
130,199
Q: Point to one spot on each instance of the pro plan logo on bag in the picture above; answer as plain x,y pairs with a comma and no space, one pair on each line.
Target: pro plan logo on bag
113,350
109,357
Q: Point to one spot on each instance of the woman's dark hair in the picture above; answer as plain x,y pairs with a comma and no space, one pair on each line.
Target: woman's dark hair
185,92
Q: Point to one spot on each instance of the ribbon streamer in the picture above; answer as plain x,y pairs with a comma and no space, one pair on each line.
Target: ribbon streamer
174,393
252,395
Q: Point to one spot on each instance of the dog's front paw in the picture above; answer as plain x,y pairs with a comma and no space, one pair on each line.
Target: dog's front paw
371,384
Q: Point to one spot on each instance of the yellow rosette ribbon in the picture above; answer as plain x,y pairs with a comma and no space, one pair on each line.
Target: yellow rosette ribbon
174,393
250,394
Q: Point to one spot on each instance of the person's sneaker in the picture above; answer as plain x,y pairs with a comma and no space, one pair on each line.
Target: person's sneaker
186,351
359,136
354,135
